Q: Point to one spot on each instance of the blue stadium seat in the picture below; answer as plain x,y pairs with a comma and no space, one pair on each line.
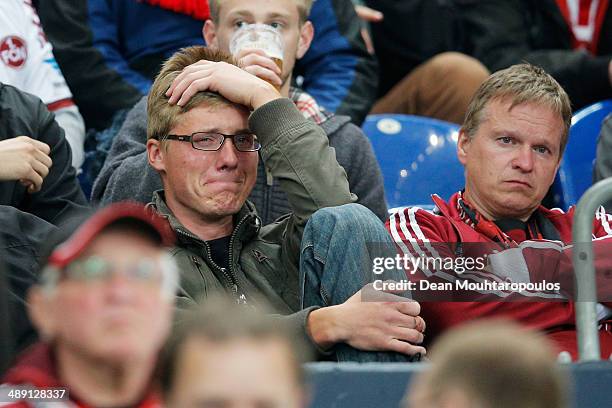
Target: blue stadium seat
417,156
576,169
375,385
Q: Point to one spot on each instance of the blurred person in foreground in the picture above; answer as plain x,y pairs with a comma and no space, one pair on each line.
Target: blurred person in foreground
490,364
103,310
510,145
225,355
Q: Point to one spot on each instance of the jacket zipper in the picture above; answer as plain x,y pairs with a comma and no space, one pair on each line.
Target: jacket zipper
231,282
267,196
240,298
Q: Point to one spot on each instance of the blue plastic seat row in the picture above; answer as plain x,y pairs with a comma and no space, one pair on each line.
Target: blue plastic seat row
418,156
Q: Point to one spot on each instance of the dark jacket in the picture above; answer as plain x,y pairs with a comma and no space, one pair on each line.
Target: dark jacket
127,175
98,90
25,218
412,32
21,236
6,328
111,50
264,260
22,114
501,33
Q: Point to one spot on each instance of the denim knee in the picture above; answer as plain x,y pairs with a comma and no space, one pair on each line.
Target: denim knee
348,214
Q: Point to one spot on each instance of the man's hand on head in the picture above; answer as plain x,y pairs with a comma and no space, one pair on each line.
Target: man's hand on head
230,81
25,159
257,62
369,15
391,323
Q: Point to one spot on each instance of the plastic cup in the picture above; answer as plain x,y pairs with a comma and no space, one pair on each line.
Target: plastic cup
261,37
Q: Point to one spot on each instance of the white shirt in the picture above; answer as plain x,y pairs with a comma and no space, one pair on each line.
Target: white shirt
26,57
27,63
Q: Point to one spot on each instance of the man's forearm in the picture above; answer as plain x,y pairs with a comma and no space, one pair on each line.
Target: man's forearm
297,153
322,328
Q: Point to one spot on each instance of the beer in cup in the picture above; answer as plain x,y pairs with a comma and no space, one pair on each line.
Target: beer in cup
262,37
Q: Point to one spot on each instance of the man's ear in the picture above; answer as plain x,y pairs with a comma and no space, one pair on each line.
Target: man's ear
155,155
40,311
463,144
209,32
306,36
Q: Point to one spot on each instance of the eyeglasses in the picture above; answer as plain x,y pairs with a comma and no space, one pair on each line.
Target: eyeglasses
97,269
211,141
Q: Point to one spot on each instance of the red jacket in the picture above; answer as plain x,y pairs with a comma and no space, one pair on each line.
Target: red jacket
36,367
421,233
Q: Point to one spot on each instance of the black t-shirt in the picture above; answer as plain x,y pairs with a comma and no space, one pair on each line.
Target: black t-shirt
219,251
536,227
516,229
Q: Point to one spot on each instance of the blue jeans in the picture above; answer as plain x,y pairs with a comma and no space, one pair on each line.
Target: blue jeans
338,246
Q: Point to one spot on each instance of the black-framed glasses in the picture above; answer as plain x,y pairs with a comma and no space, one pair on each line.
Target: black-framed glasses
211,141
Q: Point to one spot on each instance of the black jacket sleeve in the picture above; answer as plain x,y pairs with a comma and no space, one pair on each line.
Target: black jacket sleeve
21,237
501,33
25,115
98,91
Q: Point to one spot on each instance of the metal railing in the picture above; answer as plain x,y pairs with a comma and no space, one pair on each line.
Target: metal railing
586,290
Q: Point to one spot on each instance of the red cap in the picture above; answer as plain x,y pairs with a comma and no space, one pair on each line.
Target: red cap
73,241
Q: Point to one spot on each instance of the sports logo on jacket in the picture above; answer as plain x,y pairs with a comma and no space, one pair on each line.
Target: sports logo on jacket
13,51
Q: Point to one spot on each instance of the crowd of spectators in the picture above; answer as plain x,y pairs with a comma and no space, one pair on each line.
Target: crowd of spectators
146,260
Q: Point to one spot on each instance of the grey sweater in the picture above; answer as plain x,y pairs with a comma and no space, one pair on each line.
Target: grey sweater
603,161
126,174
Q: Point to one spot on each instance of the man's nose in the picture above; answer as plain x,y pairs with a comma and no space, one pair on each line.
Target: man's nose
227,155
523,159
120,288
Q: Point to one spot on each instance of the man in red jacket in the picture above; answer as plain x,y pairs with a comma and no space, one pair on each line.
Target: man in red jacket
103,309
495,235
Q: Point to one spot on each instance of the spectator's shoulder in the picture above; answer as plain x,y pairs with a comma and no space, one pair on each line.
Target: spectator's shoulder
19,101
340,127
22,112
418,218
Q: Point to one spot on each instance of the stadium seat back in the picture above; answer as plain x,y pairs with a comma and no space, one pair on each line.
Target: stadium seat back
417,156
576,170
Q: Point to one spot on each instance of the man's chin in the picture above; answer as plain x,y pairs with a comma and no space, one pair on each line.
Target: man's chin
518,208
225,208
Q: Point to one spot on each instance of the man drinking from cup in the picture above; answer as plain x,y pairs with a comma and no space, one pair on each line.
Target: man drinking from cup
232,19
255,38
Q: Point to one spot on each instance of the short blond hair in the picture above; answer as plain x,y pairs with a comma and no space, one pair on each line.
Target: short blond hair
521,83
219,320
303,6
161,116
495,363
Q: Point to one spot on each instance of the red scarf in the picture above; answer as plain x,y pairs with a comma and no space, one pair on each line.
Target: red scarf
585,19
197,9
490,229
